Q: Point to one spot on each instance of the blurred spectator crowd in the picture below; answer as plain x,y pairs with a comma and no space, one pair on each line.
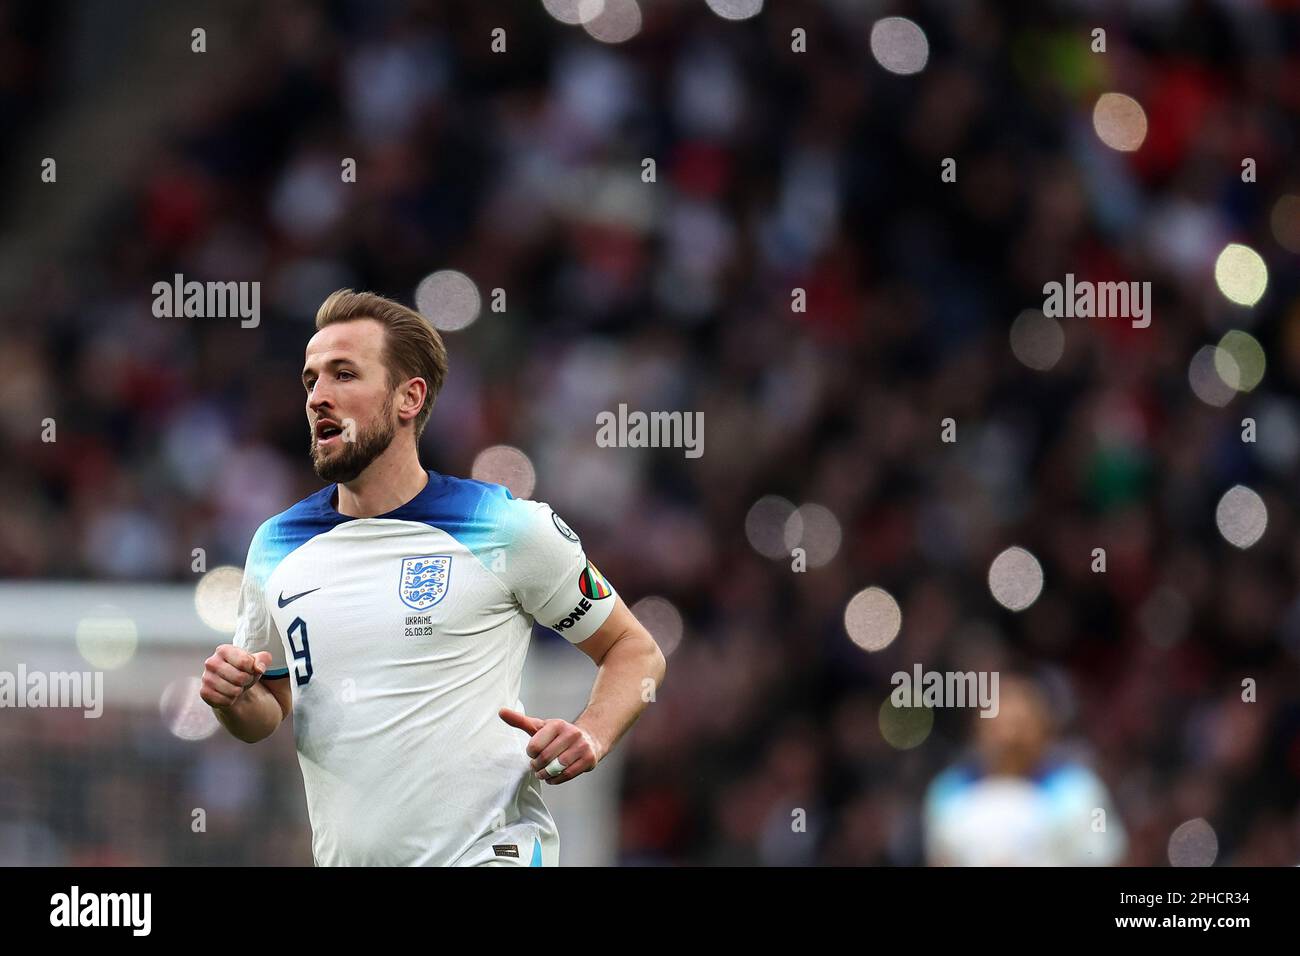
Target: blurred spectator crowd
775,171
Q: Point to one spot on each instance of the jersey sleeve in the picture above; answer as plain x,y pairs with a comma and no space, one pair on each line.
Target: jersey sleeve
551,577
1078,794
254,628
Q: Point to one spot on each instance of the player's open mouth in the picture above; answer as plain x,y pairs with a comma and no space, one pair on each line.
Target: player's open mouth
326,432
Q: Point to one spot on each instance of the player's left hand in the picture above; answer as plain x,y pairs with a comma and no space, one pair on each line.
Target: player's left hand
577,749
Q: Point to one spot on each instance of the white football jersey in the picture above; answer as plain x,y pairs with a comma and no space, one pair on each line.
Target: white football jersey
1047,819
402,636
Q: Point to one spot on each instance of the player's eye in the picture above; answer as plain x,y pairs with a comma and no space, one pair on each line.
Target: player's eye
346,373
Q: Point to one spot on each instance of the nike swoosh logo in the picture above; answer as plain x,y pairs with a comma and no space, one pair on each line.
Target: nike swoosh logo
285,602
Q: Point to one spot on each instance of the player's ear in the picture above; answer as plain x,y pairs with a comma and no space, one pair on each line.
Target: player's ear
414,394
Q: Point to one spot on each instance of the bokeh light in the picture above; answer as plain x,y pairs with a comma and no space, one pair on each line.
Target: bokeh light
1285,222
448,299
768,523
1241,516
1037,340
1120,121
1240,361
184,713
899,45
1015,579
735,9
1193,843
508,466
107,637
815,529
905,727
661,618
574,12
216,598
617,21
1206,373
873,619
1241,274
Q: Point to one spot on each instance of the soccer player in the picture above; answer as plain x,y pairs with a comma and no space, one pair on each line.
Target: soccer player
1018,800
391,613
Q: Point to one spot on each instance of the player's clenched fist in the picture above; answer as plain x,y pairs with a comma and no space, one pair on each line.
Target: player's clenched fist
559,750
229,672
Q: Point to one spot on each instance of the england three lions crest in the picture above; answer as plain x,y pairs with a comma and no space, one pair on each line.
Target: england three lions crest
424,580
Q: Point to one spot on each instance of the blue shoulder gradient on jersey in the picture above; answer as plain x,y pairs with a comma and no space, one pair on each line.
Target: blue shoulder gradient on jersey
948,785
289,530
1070,783
1060,782
483,517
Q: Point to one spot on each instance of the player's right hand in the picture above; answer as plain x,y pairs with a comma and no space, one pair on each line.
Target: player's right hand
229,672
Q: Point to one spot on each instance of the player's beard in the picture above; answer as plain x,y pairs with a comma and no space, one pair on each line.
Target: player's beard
352,458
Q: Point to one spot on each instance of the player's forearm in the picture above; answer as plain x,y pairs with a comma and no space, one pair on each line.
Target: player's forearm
626,682
253,717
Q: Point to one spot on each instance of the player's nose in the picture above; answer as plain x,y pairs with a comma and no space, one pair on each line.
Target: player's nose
318,398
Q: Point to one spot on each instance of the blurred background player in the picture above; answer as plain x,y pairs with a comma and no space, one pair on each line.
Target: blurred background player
1019,799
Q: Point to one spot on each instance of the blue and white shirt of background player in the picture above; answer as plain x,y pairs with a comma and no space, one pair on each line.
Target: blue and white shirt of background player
402,636
1059,815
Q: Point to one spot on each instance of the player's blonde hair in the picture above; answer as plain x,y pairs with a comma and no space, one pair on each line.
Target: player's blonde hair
412,347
